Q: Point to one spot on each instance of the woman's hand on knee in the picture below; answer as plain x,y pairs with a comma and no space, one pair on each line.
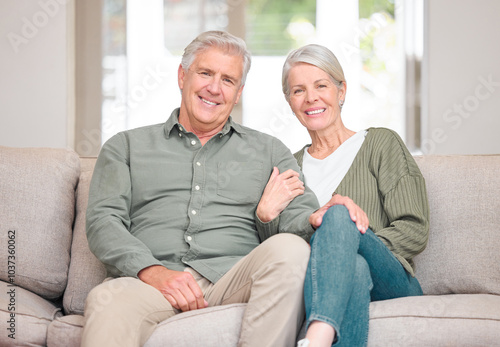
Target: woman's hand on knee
357,215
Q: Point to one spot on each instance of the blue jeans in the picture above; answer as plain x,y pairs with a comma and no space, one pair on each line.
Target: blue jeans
346,271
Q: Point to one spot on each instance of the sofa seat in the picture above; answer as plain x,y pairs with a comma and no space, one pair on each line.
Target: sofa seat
436,320
222,322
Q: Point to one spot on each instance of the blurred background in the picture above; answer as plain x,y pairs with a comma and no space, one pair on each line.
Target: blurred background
74,73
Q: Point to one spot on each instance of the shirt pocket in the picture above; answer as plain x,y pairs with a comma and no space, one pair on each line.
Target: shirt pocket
240,181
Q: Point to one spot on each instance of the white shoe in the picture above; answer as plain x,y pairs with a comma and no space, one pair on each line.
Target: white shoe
303,343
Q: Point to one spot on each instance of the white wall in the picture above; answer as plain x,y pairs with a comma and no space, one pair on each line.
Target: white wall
34,75
463,77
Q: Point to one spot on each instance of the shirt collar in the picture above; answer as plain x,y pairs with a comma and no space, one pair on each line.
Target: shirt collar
173,121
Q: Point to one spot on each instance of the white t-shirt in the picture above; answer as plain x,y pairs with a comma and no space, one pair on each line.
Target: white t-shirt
323,176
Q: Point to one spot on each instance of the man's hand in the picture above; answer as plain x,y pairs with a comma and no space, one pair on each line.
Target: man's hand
358,216
280,190
178,287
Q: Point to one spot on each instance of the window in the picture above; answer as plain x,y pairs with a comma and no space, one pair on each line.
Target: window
143,43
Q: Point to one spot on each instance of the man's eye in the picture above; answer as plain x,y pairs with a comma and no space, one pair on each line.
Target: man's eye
227,80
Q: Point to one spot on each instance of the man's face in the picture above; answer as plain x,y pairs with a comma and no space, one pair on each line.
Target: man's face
210,88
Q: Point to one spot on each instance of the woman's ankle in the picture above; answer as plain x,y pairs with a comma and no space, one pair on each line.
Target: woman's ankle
320,334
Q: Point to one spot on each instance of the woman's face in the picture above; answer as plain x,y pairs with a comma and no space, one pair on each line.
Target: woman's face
314,98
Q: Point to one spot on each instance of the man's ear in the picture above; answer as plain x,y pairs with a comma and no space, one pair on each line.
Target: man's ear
239,94
180,76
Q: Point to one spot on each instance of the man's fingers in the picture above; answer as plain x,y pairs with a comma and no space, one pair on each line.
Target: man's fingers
275,172
199,301
172,301
183,292
185,300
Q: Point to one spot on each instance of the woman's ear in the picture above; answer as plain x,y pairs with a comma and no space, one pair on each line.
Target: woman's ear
342,90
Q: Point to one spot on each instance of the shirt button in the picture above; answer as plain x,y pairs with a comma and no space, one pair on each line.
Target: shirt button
193,212
197,187
180,128
193,142
189,238
198,163
180,134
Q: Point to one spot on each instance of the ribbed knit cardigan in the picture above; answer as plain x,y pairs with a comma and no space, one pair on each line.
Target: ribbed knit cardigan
385,181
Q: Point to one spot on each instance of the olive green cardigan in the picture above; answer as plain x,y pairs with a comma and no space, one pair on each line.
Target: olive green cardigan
386,183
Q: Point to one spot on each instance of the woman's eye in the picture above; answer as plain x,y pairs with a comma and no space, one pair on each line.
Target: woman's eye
297,91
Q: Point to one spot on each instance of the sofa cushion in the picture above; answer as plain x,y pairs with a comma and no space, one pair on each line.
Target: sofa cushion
462,254
65,331
37,186
32,317
211,327
460,320
85,270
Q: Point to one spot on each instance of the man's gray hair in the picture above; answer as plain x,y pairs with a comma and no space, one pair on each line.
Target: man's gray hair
219,39
316,55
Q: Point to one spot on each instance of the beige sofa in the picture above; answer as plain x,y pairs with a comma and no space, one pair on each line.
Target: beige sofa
46,269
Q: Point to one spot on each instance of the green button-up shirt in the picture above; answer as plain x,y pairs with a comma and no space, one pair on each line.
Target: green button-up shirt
158,197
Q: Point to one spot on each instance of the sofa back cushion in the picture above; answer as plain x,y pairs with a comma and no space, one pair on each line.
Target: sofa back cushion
37,189
85,270
462,255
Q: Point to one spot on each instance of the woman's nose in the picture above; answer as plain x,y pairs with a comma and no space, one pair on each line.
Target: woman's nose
311,96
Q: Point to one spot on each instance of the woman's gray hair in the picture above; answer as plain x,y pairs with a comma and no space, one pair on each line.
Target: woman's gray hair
316,55
219,39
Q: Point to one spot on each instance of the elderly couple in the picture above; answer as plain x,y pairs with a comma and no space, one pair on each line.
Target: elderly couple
201,211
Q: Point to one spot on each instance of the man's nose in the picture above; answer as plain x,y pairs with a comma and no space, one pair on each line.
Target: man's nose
214,85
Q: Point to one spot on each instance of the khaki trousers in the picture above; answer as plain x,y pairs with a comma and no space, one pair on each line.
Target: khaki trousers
125,311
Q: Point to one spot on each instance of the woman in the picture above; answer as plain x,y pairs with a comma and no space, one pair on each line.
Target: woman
351,265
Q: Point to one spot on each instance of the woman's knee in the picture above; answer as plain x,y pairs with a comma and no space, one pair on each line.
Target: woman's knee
338,213
337,224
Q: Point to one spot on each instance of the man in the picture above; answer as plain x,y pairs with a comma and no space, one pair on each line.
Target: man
172,214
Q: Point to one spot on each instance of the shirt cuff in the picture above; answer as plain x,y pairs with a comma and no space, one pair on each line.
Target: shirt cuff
267,229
